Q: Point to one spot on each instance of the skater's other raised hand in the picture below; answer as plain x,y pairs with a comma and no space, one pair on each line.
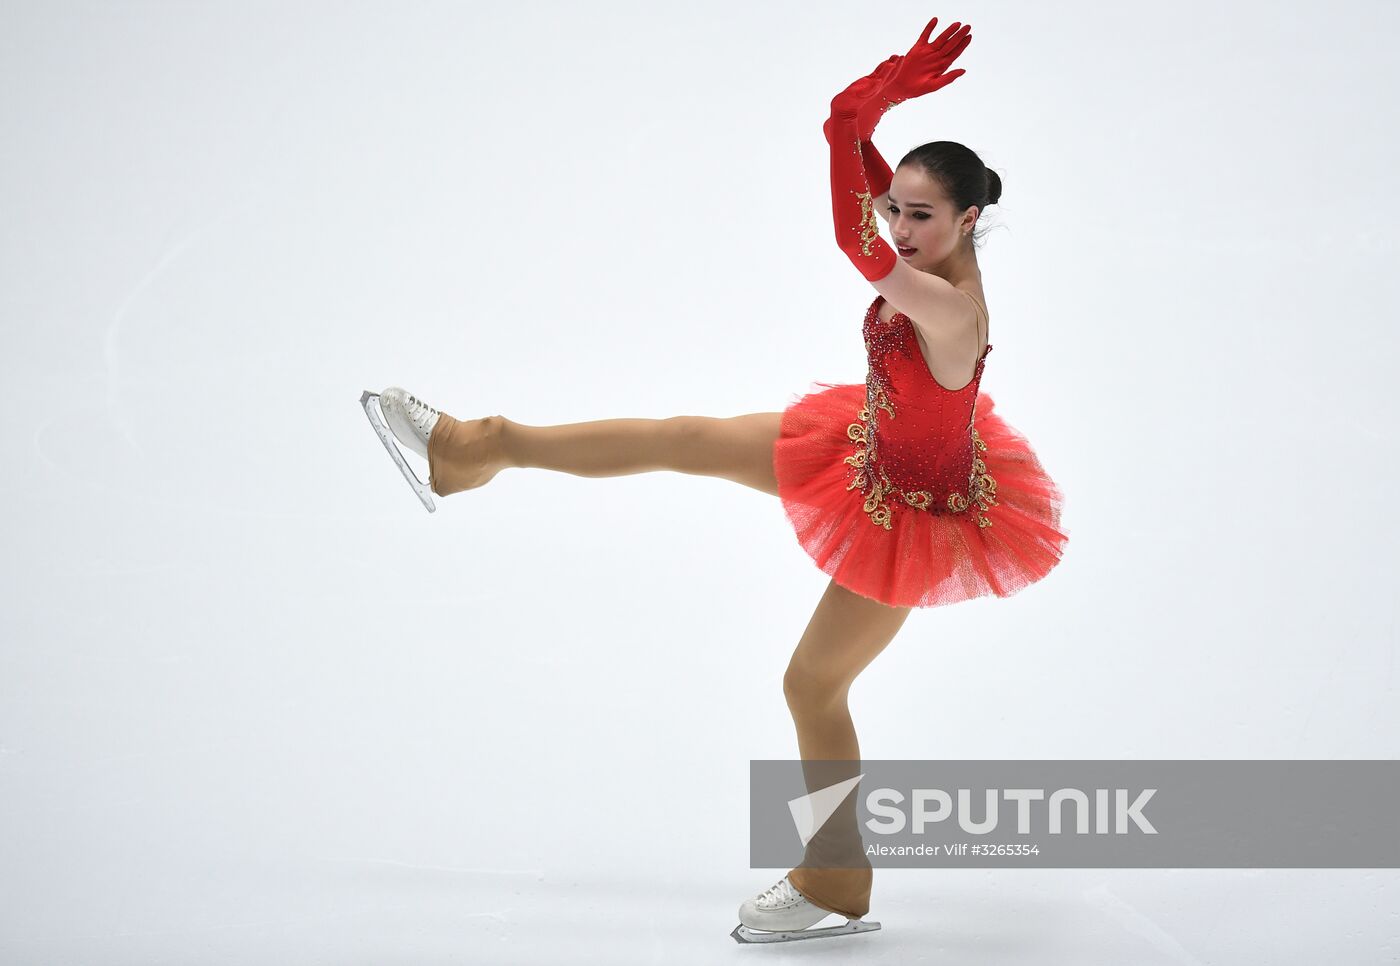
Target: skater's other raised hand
925,68
847,104
871,111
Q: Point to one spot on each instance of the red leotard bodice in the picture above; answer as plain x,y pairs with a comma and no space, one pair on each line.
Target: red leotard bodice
918,446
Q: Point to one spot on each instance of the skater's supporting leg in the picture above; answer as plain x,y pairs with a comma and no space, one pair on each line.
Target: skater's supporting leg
846,632
738,448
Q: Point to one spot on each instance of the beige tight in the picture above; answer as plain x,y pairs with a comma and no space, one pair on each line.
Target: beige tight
844,635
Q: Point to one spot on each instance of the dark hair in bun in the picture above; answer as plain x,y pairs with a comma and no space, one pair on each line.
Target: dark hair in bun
961,174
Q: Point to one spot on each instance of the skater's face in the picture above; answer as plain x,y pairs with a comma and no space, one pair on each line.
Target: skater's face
923,218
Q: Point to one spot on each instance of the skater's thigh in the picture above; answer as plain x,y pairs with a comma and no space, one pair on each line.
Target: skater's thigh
738,448
847,631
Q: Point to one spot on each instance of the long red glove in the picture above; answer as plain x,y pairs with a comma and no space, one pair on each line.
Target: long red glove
852,205
854,114
920,71
877,171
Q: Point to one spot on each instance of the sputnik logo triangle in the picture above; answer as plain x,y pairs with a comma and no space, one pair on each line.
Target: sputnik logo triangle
811,811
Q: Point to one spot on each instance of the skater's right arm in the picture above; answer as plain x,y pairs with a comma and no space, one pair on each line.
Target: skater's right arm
851,194
877,171
931,301
910,75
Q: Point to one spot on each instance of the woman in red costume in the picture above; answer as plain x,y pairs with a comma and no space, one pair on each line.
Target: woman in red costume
908,490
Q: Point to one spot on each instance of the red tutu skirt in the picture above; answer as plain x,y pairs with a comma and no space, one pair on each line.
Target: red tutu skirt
925,559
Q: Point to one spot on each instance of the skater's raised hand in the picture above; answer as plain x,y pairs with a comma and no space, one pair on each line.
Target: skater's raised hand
925,68
920,71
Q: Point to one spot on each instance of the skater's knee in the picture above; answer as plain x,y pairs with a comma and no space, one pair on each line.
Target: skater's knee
689,443
720,446
686,431
808,688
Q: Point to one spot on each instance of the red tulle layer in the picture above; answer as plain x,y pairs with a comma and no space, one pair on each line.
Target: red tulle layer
925,559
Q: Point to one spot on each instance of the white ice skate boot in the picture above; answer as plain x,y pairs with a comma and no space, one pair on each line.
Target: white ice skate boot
411,419
781,914
411,422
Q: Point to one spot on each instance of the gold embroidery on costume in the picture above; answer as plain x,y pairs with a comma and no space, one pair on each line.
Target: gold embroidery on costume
981,491
918,499
981,487
863,433
870,228
870,476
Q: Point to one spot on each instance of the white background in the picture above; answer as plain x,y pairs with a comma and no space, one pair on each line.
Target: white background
257,706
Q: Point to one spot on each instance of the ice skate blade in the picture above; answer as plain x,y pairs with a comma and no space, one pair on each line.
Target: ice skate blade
375,415
743,934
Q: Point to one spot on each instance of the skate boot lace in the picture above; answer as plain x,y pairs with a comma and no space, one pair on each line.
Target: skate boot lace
420,412
779,894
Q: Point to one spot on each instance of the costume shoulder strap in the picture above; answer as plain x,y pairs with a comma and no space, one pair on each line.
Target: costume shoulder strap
979,311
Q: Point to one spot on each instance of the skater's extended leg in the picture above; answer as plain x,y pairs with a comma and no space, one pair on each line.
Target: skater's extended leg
846,632
738,448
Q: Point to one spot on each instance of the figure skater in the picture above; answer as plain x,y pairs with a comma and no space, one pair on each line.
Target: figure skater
909,490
